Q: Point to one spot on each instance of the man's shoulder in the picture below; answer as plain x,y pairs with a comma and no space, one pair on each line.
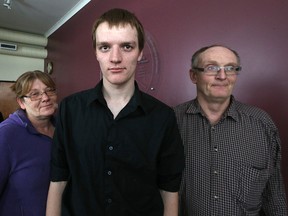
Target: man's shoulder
83,95
152,102
252,112
183,107
249,109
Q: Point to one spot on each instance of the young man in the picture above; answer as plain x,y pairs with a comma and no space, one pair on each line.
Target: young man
122,153
232,150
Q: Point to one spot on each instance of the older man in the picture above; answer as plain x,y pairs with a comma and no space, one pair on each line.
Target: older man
232,149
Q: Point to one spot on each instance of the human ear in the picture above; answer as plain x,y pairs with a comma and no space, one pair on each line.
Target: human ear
193,76
140,56
95,52
21,103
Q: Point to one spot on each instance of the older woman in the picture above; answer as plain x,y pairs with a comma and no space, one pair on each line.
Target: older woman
25,146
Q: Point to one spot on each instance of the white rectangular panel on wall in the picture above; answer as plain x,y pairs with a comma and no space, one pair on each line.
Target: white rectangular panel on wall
11,67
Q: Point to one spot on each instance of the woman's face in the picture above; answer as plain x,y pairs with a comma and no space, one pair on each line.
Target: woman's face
41,108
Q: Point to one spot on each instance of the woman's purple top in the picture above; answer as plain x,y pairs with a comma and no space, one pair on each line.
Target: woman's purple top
24,167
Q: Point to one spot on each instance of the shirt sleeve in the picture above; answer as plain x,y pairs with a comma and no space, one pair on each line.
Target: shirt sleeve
59,167
274,198
171,163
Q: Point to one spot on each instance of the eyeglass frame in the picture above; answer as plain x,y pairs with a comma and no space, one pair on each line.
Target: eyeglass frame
236,70
49,92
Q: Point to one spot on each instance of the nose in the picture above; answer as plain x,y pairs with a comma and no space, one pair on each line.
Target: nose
221,74
44,96
116,55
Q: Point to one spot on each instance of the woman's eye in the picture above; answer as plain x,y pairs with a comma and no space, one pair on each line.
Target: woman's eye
34,94
50,90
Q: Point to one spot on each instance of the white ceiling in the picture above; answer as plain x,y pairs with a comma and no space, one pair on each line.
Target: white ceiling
40,17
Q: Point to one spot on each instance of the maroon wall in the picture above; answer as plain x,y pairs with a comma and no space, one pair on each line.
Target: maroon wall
257,29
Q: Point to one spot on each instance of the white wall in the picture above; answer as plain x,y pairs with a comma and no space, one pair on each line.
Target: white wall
29,54
11,67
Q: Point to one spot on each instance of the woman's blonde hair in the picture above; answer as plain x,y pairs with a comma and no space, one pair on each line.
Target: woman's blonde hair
23,84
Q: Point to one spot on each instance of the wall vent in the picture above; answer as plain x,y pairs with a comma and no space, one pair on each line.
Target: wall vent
8,46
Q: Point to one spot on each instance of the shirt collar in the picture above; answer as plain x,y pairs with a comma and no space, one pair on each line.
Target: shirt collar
22,118
135,101
195,108
96,93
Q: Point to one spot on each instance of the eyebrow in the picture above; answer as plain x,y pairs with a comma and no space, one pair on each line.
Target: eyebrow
216,63
101,43
122,43
39,89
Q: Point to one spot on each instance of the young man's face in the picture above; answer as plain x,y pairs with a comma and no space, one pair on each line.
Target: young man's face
117,52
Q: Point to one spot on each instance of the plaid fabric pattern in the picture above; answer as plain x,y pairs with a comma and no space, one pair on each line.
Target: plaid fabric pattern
233,167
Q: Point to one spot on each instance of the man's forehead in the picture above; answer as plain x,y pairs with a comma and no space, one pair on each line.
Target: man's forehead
218,52
104,32
119,26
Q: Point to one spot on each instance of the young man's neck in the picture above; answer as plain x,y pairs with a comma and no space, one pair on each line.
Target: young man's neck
118,96
118,92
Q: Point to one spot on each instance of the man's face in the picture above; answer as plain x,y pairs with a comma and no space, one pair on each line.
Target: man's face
216,88
117,52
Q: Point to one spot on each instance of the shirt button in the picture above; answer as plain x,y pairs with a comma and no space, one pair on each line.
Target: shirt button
215,172
110,148
215,148
109,172
109,200
216,197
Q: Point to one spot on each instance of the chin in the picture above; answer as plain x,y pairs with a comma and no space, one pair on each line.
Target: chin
119,82
48,112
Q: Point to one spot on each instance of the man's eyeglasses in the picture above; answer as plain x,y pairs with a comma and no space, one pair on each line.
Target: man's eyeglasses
37,95
213,70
